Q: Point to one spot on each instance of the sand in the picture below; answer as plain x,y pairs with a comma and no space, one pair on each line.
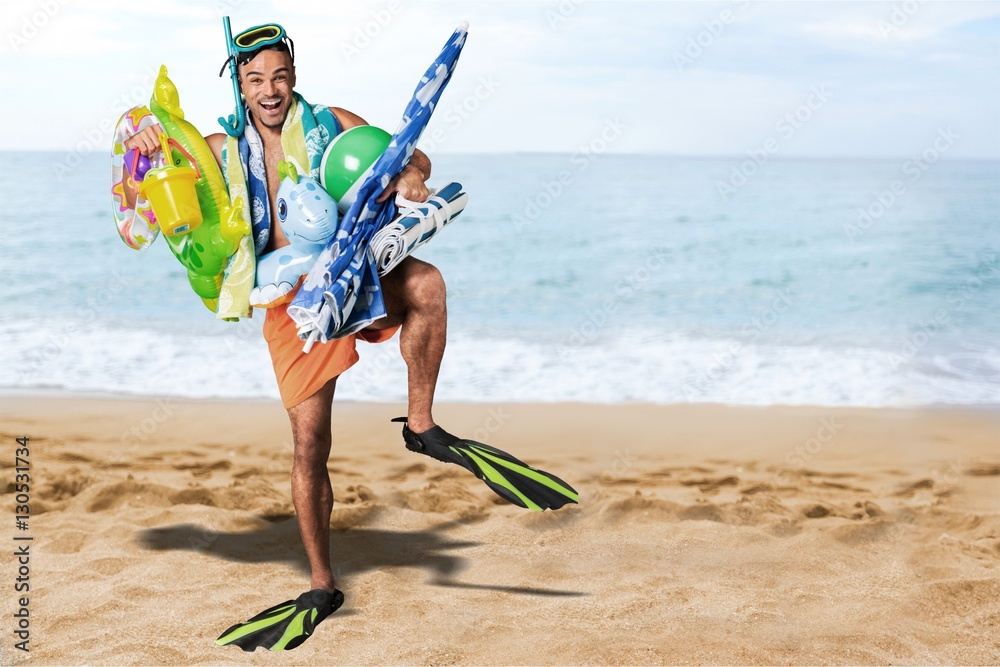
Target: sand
705,534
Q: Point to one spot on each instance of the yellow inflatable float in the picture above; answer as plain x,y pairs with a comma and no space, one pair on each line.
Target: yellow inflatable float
181,192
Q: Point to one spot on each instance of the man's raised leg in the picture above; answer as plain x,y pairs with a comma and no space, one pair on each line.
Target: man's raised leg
415,297
312,493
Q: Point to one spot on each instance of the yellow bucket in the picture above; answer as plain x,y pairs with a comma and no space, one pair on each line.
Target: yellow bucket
171,193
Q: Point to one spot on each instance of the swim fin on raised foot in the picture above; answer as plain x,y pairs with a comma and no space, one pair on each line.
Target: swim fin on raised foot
286,625
512,479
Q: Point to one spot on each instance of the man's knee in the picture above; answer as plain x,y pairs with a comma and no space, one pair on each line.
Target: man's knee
425,285
311,427
311,447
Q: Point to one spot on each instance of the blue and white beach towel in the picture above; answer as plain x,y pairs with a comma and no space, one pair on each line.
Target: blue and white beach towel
342,294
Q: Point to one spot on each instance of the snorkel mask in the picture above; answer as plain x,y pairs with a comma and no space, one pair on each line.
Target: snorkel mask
242,50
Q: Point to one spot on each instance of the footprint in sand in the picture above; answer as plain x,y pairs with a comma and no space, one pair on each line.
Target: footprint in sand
984,470
61,487
757,488
702,512
404,472
911,489
817,511
706,485
203,469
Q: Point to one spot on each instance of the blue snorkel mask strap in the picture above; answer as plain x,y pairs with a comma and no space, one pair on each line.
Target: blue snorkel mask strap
235,125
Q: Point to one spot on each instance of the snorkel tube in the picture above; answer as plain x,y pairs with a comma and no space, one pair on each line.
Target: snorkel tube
236,123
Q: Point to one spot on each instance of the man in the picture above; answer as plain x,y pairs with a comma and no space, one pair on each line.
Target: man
414,294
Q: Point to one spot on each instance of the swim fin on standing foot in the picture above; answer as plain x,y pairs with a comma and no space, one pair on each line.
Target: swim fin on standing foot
286,625
512,479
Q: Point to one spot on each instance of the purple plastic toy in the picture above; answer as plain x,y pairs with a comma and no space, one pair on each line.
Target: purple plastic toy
141,168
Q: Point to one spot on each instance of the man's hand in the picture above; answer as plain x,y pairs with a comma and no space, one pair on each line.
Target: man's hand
147,140
410,181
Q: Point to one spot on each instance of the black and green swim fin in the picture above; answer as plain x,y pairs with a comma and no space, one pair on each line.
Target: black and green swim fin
286,625
512,479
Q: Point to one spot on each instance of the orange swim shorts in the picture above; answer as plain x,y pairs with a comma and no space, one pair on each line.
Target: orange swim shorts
301,375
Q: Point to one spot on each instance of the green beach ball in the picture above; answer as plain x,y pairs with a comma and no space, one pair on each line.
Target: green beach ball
348,159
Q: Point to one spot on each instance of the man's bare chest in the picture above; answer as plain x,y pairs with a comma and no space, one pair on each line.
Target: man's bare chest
273,154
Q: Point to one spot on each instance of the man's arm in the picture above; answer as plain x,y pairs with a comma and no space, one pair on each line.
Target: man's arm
347,119
421,163
148,143
410,181
216,142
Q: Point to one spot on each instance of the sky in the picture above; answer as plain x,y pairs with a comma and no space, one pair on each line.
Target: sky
795,79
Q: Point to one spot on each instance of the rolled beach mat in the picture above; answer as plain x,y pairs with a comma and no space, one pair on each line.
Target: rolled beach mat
348,161
415,225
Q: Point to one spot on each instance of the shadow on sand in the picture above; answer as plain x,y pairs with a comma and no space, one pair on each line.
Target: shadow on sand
355,551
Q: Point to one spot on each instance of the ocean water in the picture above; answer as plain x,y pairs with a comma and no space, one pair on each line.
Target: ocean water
605,278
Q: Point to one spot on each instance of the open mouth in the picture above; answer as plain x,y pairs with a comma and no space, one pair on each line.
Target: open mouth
270,107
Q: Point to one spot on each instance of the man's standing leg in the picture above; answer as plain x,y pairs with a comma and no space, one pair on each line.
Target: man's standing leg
312,493
415,298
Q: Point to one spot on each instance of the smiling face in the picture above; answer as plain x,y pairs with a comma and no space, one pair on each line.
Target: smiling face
266,83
